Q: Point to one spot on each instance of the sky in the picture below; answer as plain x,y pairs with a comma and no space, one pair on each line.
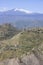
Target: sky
31,5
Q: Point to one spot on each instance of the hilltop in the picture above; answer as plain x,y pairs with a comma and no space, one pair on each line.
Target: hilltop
22,43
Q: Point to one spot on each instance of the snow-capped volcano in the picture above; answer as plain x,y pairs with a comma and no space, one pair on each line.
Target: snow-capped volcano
17,11
21,17
23,10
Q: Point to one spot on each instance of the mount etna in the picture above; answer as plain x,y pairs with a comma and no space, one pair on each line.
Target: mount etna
21,18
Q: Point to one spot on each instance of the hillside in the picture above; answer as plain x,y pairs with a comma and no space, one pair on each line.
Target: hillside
7,31
22,43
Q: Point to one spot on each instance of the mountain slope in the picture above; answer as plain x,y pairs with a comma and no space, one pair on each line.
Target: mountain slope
7,31
21,18
22,43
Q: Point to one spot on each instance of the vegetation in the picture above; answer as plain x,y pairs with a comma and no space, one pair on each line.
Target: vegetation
7,31
21,43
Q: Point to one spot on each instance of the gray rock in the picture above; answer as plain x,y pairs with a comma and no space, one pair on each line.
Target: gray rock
30,59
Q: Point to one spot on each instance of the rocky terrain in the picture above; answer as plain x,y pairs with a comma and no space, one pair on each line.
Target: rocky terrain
30,59
21,47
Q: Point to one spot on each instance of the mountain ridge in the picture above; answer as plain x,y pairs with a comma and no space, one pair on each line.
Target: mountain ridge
21,10
20,19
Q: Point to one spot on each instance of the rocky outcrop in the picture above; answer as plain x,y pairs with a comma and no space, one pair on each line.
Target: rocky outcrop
39,56
30,59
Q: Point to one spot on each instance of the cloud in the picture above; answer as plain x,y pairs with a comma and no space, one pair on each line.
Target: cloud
23,10
3,9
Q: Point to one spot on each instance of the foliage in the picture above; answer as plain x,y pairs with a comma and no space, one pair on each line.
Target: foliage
22,43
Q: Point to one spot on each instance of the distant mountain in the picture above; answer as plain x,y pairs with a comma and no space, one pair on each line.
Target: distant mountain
21,18
16,12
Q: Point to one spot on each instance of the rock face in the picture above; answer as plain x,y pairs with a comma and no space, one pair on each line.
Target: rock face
30,60
9,62
25,60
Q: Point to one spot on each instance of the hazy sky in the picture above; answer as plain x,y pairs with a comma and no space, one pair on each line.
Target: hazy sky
31,5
